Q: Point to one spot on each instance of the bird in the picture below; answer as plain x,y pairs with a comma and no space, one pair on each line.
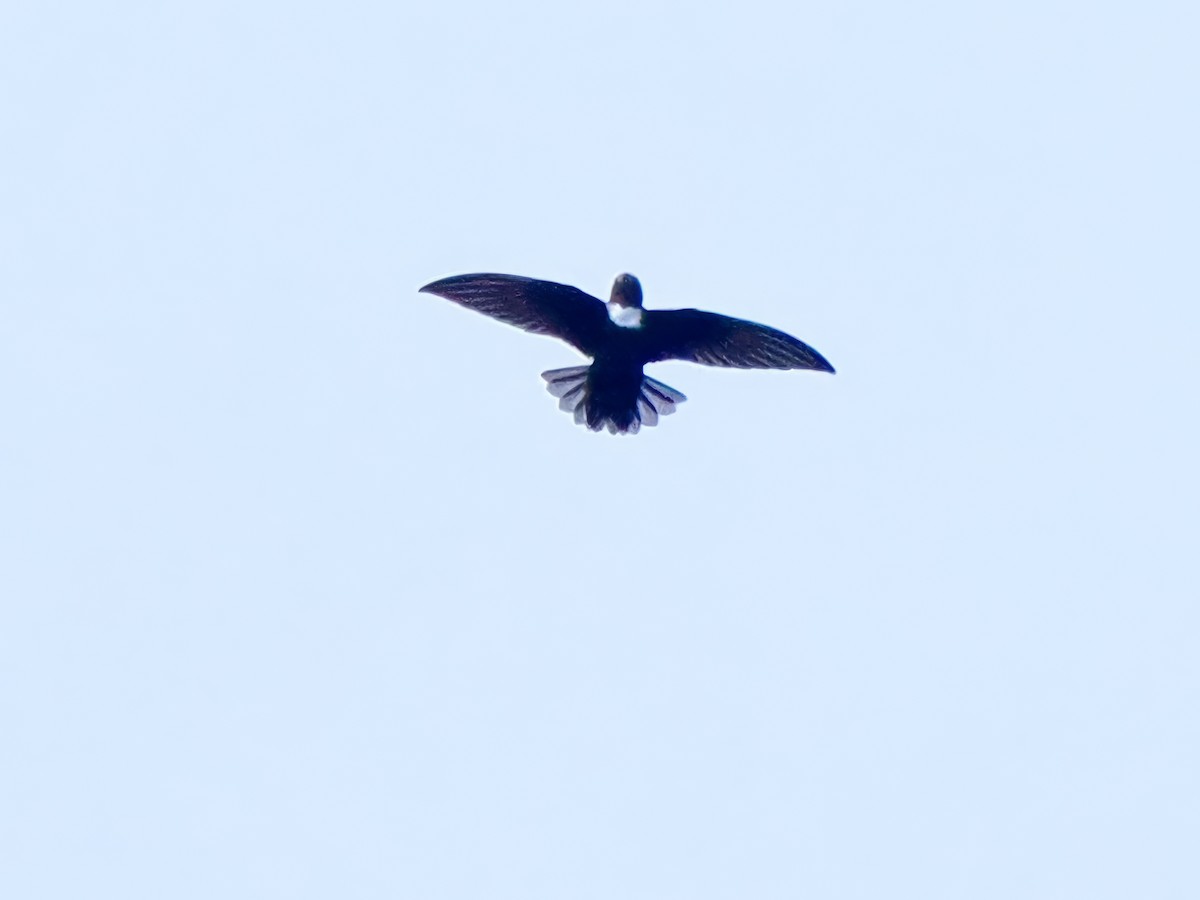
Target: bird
622,337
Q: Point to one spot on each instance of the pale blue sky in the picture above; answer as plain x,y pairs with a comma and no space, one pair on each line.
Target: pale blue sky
309,590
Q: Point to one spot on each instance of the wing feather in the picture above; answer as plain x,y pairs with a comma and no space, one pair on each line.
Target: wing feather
539,307
715,340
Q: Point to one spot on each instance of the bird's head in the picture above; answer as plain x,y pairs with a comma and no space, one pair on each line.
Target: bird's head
626,292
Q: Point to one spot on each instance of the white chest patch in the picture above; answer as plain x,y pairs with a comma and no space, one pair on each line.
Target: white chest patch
625,316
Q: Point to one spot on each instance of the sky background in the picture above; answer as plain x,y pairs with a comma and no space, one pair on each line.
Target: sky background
309,590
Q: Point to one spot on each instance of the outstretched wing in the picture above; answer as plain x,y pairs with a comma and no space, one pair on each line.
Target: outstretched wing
540,307
716,340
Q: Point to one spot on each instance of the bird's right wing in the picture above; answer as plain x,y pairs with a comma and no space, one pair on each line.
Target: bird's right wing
540,307
715,340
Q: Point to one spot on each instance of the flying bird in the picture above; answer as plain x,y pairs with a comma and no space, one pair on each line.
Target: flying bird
622,337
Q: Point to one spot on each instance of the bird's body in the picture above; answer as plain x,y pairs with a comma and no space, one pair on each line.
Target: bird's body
622,338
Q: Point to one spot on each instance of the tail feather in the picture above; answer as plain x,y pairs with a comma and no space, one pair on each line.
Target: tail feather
560,381
572,398
574,390
662,397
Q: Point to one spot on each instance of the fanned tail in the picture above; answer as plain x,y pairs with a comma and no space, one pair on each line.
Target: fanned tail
601,409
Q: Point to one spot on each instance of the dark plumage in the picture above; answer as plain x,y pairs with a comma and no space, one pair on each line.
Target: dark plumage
621,338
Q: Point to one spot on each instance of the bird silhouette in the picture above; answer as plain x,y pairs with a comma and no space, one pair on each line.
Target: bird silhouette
622,337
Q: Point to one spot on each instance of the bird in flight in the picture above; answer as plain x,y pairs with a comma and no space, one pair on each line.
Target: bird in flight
622,337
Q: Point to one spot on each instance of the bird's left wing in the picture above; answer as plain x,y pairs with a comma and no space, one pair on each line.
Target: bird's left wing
539,307
716,340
